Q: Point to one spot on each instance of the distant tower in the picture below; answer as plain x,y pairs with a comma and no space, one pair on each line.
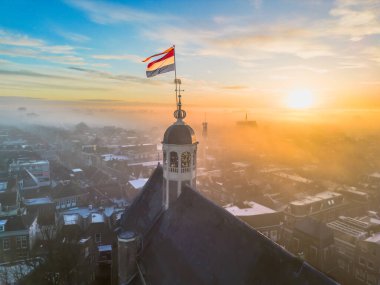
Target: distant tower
179,156
204,129
204,142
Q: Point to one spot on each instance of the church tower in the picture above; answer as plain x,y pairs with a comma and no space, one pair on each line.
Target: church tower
179,148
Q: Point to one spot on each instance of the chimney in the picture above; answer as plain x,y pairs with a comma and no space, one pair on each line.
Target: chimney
128,248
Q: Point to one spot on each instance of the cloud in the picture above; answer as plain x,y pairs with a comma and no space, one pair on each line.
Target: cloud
118,77
244,42
130,57
4,61
110,13
18,40
102,100
234,87
18,45
370,82
303,68
356,19
19,98
31,74
75,37
373,53
351,65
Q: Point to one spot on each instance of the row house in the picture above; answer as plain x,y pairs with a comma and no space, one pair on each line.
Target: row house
17,237
357,243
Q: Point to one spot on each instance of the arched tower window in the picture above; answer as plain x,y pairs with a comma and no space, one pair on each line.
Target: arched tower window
164,158
173,159
185,161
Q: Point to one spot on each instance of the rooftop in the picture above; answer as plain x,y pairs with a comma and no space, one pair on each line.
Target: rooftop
106,247
138,183
318,197
252,209
295,178
375,238
38,201
97,218
72,219
195,241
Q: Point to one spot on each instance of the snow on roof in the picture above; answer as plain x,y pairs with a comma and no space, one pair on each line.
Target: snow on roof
83,240
147,163
138,183
84,212
252,209
3,185
34,162
317,197
106,247
240,164
38,201
97,218
118,215
110,156
274,169
71,219
11,272
296,178
76,170
374,238
375,175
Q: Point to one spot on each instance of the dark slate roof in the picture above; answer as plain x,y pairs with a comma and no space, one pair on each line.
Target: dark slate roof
28,179
8,198
147,206
197,242
67,190
179,133
18,222
262,220
314,228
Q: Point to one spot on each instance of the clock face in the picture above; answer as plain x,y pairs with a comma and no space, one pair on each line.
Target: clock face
185,159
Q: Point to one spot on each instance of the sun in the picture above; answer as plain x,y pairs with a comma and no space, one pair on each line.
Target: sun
300,99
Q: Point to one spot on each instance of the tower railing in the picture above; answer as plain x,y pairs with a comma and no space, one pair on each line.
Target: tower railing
173,169
185,169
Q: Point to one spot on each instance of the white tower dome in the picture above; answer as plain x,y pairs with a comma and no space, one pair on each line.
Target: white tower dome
179,157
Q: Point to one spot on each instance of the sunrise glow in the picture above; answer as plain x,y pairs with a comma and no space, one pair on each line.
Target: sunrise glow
300,99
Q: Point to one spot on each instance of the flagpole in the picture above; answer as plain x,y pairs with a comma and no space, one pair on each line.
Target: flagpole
175,78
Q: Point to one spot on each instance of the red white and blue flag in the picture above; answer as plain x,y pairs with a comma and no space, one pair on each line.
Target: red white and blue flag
161,65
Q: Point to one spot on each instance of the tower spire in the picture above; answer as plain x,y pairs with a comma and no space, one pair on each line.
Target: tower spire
179,114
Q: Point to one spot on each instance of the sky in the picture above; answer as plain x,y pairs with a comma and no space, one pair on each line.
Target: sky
229,54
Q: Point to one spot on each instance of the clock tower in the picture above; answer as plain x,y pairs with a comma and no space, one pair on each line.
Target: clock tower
179,148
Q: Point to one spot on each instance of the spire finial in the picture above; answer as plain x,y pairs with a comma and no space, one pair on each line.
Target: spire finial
179,114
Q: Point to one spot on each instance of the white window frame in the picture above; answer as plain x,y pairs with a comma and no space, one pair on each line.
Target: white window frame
21,242
6,241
